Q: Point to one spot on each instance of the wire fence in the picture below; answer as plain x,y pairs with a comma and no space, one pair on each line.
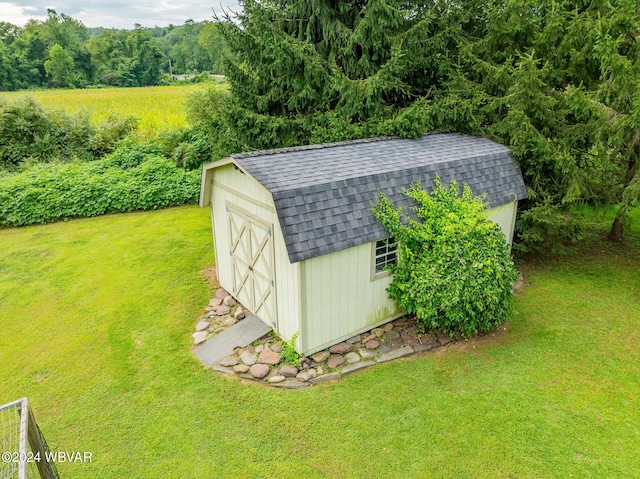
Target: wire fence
24,451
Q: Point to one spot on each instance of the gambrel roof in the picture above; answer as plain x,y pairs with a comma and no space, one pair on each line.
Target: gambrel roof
323,193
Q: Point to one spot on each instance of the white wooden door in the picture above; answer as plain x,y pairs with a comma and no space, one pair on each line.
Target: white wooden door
251,241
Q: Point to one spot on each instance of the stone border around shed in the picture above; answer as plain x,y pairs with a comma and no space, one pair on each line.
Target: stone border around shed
262,361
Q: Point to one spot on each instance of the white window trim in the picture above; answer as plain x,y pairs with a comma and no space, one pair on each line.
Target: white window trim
380,274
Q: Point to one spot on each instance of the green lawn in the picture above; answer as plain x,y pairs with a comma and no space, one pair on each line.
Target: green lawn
96,316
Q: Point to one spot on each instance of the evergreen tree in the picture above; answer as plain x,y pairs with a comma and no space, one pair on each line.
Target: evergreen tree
318,70
557,81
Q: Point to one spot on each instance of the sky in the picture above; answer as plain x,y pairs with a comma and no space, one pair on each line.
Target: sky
115,13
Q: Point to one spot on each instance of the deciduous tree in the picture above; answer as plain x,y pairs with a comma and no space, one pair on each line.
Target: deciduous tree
59,67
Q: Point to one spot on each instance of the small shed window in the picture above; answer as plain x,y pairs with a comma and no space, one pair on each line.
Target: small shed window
386,253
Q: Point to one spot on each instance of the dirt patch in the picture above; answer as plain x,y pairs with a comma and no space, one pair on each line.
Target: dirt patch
209,274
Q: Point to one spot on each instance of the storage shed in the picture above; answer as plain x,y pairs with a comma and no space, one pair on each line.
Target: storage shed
296,242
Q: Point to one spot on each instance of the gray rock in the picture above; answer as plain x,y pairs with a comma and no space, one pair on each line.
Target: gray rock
407,337
410,341
355,339
372,344
202,325
241,368
335,361
412,329
276,379
259,370
199,337
267,356
222,369
246,376
389,335
418,348
288,371
229,322
222,310
320,357
396,343
291,384
351,368
238,314
229,301
385,347
229,361
341,348
248,358
443,338
304,363
215,302
325,378
259,348
396,354
352,357
367,354
303,376
276,348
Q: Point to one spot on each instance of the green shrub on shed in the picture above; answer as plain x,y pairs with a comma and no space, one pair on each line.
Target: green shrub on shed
454,270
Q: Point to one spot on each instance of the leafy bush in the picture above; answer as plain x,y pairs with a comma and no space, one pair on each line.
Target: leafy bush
30,134
454,269
187,147
194,151
57,191
110,132
131,153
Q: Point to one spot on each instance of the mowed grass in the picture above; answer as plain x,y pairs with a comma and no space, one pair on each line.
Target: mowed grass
158,108
96,320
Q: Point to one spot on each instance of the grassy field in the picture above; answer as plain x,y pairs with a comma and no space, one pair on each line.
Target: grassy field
158,108
95,322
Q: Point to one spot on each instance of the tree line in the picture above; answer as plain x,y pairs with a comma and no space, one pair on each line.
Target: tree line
60,52
557,81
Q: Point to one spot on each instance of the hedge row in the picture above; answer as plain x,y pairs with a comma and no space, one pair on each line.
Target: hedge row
52,192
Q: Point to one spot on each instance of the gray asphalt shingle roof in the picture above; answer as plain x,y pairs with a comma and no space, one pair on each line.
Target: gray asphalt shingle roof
323,193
